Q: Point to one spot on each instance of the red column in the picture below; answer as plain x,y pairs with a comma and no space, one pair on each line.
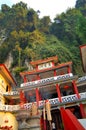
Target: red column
21,99
25,79
21,96
37,96
58,92
75,89
59,96
36,67
83,113
38,77
42,123
81,105
68,69
44,119
53,63
55,74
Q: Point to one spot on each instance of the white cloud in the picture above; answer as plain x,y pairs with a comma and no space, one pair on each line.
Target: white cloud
48,7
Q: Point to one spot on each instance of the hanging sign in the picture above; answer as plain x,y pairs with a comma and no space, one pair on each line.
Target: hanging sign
45,66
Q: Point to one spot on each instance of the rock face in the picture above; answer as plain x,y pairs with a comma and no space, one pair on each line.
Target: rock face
32,123
29,120
9,61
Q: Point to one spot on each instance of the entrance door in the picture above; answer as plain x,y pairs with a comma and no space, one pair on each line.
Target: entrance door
56,118
76,111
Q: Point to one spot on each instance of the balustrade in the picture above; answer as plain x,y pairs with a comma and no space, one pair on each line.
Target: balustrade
11,93
54,101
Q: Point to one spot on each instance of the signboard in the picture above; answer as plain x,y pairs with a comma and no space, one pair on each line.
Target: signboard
45,66
47,80
83,56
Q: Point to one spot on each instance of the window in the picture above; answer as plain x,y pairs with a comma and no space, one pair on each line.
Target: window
7,88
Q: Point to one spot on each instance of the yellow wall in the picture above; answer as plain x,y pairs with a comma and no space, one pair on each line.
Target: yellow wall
3,85
7,116
11,120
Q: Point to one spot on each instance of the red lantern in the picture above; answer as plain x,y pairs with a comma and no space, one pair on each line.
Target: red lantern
66,87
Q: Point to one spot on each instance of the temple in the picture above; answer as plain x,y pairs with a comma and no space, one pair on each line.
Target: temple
49,97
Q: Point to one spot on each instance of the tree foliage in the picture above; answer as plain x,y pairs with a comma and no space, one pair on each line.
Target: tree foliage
29,37
80,4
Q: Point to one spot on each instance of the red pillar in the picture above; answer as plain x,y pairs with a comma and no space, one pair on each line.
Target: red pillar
21,96
38,77
53,63
83,113
44,119
81,105
55,74
25,79
36,67
75,89
21,99
68,69
37,96
42,123
45,127
58,92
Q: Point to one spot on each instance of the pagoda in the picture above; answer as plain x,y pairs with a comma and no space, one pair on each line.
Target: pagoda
50,96
53,90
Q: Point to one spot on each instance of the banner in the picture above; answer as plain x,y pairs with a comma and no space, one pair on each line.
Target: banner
83,56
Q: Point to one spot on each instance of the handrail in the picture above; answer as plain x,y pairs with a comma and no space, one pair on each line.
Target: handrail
11,93
54,101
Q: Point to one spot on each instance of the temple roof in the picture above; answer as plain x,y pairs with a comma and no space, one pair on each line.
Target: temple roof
49,70
7,75
37,62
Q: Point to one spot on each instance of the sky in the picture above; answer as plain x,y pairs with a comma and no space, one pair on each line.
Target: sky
47,7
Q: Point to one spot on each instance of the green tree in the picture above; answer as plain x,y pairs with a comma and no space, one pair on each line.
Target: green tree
67,29
44,25
36,37
82,29
80,4
5,8
19,11
32,19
